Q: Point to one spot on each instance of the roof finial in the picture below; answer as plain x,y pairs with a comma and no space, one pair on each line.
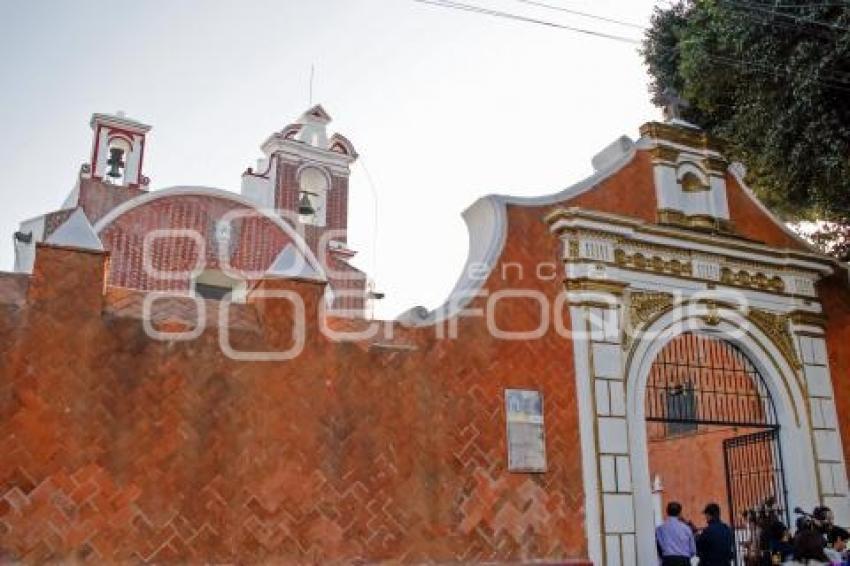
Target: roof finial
673,104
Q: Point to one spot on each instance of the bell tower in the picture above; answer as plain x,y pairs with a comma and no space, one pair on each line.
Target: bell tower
304,176
118,150
304,179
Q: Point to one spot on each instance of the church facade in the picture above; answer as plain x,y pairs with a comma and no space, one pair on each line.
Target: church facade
187,374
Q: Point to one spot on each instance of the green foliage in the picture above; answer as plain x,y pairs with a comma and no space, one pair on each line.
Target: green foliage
771,81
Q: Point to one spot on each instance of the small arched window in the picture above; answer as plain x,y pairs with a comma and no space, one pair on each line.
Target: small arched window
313,188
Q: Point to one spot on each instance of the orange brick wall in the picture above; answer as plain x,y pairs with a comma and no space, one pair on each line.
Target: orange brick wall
835,294
692,471
117,447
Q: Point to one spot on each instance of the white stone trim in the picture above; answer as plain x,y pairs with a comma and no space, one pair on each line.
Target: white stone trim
587,431
780,378
636,230
76,232
486,222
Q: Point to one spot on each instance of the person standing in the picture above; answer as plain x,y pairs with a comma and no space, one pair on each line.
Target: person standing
836,549
808,549
715,544
674,538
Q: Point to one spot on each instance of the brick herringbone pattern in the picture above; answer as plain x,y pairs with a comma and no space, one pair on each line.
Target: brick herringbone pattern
117,448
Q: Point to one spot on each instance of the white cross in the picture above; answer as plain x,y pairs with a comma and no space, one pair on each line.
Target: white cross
673,104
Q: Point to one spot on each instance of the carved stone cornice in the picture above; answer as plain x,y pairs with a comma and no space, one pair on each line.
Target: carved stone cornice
644,307
690,137
702,222
808,318
652,263
776,327
595,285
751,280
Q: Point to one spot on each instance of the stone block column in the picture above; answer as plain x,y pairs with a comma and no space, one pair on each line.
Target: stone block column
829,457
605,442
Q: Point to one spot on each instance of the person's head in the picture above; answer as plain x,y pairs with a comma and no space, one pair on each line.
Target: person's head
712,512
838,538
808,545
778,532
823,514
674,509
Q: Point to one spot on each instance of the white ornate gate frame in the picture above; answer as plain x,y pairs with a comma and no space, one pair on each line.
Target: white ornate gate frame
788,397
631,288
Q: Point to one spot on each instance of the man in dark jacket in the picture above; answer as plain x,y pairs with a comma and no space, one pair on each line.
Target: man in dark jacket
715,544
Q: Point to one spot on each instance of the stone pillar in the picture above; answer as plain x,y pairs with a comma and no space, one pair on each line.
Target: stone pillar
605,443
829,456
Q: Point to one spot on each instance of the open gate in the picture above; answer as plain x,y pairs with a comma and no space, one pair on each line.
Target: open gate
700,381
756,489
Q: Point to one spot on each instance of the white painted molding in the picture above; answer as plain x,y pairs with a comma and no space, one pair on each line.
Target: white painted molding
76,232
612,152
486,222
634,229
780,379
291,263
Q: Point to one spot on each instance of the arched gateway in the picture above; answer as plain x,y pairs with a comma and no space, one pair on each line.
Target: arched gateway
712,422
681,325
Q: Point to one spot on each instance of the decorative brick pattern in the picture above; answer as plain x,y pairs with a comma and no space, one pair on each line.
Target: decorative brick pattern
259,240
119,448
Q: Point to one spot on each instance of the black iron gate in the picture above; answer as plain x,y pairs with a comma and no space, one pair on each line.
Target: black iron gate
756,489
700,381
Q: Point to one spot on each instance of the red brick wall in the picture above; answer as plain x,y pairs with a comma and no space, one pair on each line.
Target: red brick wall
631,192
691,469
117,447
751,222
97,198
835,296
256,240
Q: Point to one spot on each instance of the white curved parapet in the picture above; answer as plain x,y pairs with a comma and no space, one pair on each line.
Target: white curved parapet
486,222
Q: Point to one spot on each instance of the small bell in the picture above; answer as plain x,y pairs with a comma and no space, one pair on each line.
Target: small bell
305,207
115,162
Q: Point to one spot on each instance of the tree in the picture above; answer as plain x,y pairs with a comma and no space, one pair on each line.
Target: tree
771,81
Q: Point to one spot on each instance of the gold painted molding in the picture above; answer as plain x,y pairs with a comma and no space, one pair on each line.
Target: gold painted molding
654,263
751,280
595,285
701,222
691,137
808,318
776,327
644,307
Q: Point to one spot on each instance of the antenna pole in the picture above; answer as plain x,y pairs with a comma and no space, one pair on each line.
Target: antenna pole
312,75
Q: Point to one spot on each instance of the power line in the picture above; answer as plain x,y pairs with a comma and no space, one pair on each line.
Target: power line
583,14
517,17
762,9
829,82
837,4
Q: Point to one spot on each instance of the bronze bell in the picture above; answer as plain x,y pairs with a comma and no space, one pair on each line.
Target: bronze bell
115,162
305,207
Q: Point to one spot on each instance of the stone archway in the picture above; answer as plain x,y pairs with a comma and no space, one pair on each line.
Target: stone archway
780,380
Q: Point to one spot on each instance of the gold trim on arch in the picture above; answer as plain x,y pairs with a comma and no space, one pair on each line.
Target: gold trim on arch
777,367
777,329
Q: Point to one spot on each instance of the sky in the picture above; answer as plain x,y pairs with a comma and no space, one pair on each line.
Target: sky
443,106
